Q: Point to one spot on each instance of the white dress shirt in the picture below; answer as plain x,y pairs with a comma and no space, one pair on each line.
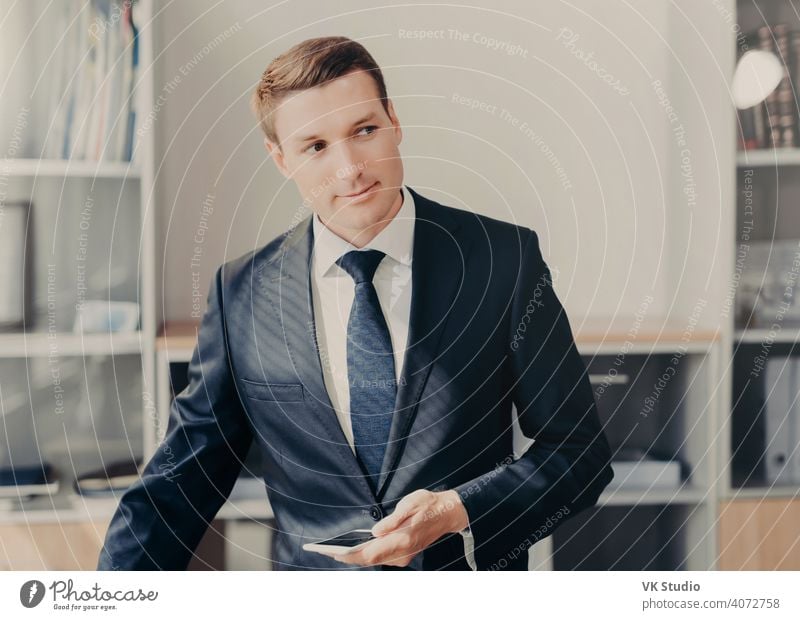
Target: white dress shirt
333,289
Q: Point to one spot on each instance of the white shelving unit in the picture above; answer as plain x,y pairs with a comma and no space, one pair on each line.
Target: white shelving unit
690,414
774,179
41,344
85,394
72,168
768,157
754,336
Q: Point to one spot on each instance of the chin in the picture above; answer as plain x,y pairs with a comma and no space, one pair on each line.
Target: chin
363,215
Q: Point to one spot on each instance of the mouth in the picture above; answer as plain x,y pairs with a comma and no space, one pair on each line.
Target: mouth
362,194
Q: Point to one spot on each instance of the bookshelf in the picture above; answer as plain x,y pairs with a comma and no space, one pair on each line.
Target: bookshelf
108,379
75,155
754,504
635,526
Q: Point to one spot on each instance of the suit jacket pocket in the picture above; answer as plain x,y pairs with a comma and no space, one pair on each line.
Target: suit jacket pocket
275,392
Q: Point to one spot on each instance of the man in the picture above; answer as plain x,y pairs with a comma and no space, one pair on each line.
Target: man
373,354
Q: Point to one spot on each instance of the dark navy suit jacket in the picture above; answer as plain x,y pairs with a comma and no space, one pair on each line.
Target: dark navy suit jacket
486,330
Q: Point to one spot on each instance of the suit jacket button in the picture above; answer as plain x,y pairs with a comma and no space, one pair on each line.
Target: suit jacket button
376,513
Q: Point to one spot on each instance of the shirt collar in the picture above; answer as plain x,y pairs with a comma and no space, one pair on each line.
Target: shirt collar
396,240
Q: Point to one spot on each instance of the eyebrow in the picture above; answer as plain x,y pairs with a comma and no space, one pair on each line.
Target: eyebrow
364,119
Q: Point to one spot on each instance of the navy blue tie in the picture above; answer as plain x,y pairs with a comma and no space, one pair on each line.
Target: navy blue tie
370,364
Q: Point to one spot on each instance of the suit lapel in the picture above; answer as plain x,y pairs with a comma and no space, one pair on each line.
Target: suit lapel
287,286
437,275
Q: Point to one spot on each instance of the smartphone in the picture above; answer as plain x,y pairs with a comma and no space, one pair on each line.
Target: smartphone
343,543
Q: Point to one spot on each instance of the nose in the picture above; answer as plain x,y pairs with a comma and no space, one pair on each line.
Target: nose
349,163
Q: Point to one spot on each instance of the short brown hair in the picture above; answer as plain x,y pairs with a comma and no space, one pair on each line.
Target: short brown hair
308,64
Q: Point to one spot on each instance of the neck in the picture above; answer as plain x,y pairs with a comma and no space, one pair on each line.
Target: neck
361,237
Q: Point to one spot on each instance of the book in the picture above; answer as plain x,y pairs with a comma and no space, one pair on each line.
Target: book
647,473
784,131
113,478
30,480
93,113
774,123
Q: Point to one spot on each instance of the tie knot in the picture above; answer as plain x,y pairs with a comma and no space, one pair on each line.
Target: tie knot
361,264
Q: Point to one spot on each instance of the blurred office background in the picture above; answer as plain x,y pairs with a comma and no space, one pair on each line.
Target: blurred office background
654,153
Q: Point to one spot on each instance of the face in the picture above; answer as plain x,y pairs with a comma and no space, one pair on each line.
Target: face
340,147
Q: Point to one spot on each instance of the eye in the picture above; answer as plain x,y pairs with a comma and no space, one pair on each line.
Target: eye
314,145
372,127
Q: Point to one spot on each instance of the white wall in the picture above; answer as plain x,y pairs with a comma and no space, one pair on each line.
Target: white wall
611,233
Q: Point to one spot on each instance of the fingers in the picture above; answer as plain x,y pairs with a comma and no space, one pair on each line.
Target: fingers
392,523
406,507
369,554
391,550
395,542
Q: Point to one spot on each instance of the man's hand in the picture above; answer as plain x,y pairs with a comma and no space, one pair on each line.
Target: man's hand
420,519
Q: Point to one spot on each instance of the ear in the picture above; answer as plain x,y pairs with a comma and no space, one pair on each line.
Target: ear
277,156
398,131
